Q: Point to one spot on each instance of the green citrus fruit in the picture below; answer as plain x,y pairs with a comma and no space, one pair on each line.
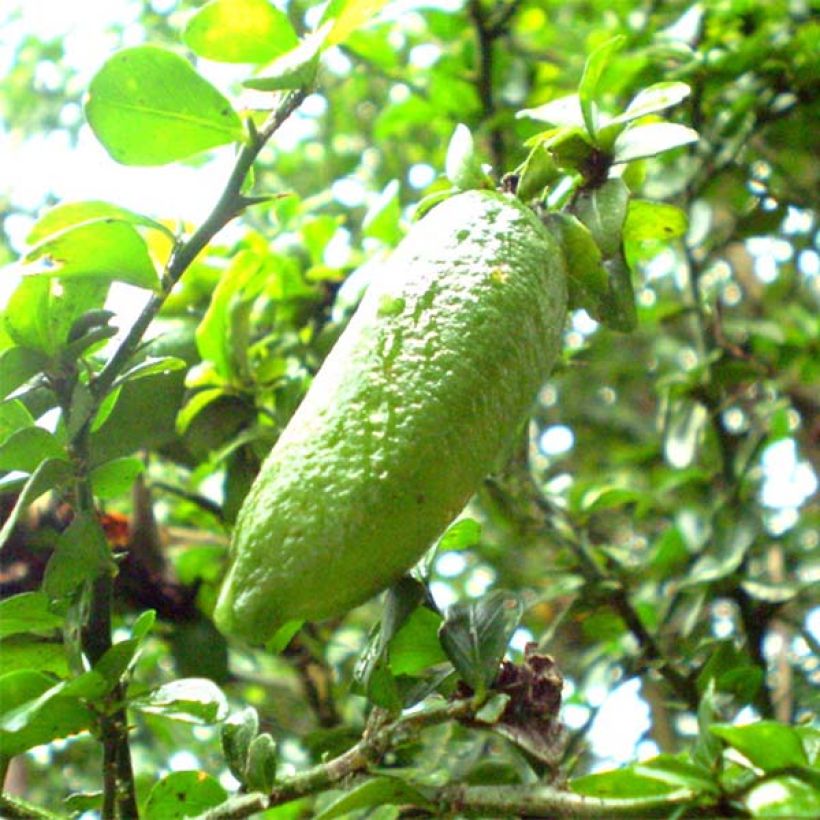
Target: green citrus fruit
414,405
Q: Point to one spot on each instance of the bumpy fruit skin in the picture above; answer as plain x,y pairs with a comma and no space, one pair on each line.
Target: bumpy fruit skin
415,404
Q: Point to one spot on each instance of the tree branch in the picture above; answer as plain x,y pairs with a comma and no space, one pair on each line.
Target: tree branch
119,794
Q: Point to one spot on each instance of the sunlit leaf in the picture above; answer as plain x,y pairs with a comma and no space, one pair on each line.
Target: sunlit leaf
652,139
349,15
105,249
27,612
68,214
240,31
148,106
766,744
183,794
191,700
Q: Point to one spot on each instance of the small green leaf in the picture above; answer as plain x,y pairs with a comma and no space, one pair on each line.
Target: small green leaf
33,711
588,281
537,172
349,15
14,416
28,652
69,214
239,31
191,700
463,534
27,612
623,783
677,770
652,99
296,68
475,635
222,336
646,221
786,797
588,87
151,367
81,554
48,475
415,647
238,731
104,249
462,166
26,449
260,773
651,139
116,477
378,791
382,220
195,405
563,112
603,210
183,794
41,311
148,106
18,365
766,744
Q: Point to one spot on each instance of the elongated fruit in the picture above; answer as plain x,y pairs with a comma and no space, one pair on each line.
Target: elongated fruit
415,404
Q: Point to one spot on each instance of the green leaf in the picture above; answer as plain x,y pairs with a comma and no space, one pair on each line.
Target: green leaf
222,336
82,554
537,171
238,731
151,367
260,772
623,783
677,770
28,652
41,311
18,365
784,797
588,281
563,112
463,534
654,98
26,449
296,68
70,214
415,647
708,748
766,744
48,475
27,612
347,16
603,210
588,88
148,106
239,31
183,794
104,249
646,220
191,700
462,166
378,791
14,416
475,635
116,477
382,220
651,139
34,711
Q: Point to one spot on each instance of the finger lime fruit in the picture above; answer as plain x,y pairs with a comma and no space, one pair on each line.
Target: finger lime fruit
415,404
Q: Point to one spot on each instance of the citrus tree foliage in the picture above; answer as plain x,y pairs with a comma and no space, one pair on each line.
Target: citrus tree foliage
651,532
